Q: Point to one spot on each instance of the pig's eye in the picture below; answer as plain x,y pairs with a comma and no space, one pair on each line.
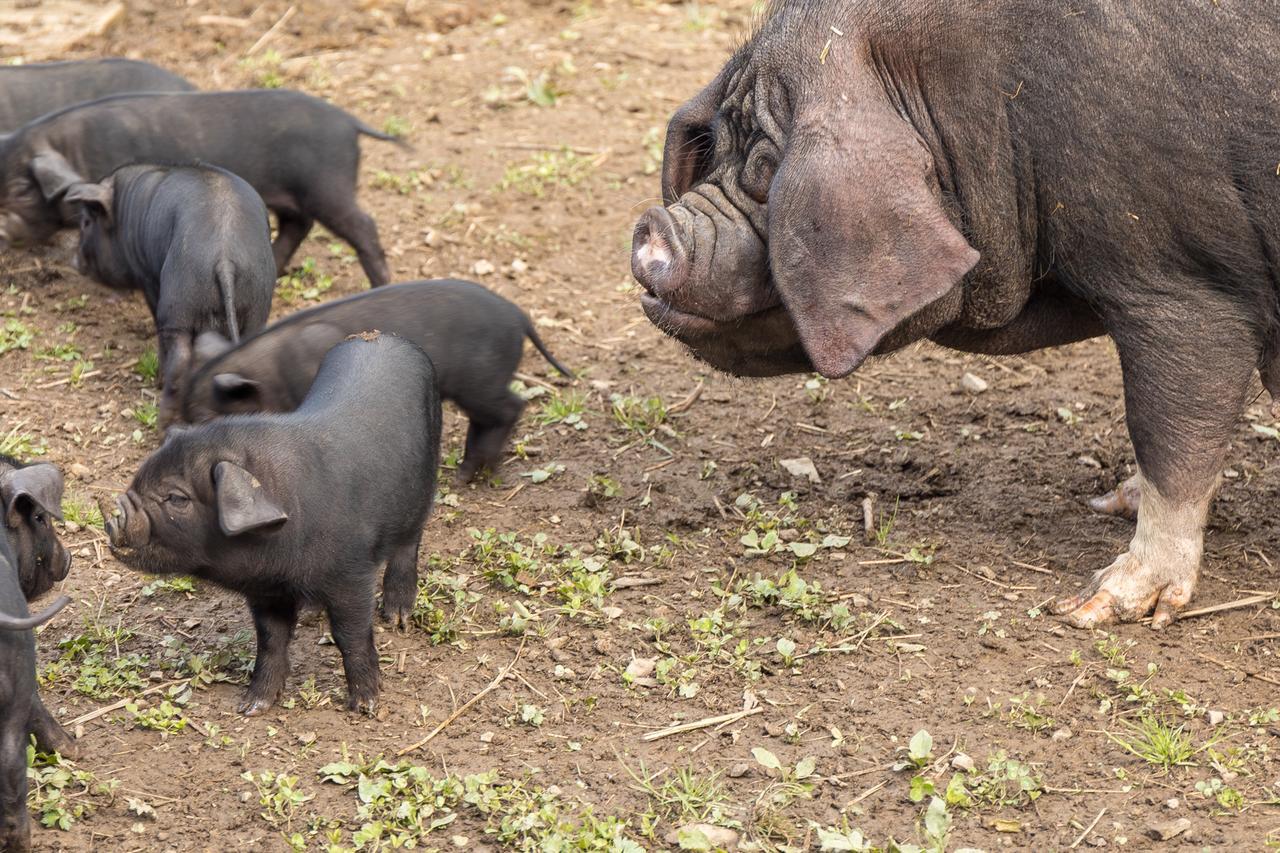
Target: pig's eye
40,520
177,500
757,175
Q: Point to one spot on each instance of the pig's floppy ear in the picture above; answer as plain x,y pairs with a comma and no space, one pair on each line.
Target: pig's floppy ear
858,239
40,484
97,198
233,386
243,505
54,174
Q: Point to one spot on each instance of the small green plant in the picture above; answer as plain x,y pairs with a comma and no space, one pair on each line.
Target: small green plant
20,444
564,408
179,584
279,795
306,282
146,414
1157,741
395,126
61,794
148,366
548,170
81,511
639,415
15,334
265,69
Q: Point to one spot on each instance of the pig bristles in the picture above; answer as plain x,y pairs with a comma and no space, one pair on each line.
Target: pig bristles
371,335
497,679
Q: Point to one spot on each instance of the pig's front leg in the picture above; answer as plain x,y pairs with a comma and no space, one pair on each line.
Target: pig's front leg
175,360
274,621
400,584
351,622
15,825
1187,370
50,735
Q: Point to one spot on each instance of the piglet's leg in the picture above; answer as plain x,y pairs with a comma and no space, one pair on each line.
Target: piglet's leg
1188,365
15,825
274,620
352,626
175,360
1123,500
50,735
400,584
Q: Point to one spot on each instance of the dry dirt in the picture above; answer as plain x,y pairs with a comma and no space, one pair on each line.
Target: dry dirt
536,130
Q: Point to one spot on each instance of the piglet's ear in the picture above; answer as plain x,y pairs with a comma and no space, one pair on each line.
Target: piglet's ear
233,386
96,198
39,484
54,174
858,240
243,505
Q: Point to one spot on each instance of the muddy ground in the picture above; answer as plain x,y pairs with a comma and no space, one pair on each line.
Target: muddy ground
643,558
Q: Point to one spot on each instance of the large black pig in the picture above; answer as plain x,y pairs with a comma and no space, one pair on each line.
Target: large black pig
475,339
195,239
996,178
300,153
19,704
29,91
300,508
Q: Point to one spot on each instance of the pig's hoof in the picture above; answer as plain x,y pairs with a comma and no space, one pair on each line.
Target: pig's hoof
363,704
1126,591
1122,500
252,706
60,742
397,616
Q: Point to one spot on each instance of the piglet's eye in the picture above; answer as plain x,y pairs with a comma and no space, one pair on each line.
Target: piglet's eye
177,500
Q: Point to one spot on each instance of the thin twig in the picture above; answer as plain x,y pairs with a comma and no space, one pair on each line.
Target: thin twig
116,706
1231,668
702,724
1088,829
271,33
687,403
497,679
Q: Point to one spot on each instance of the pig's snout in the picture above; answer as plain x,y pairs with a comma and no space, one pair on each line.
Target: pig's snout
659,259
125,523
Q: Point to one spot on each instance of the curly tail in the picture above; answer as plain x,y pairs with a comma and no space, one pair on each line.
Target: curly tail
14,623
542,348
225,274
364,129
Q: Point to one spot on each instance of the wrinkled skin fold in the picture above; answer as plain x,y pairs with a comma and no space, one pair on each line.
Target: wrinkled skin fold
867,173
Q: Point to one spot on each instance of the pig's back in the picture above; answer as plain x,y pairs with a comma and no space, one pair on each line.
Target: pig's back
30,91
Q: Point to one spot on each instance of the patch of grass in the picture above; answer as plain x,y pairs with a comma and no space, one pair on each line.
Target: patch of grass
180,584
565,408
396,126
639,415
60,352
402,805
1157,741
146,414
441,606
306,282
680,796
60,793
81,511
15,334
79,370
265,69
148,366
95,664
165,717
546,171
21,445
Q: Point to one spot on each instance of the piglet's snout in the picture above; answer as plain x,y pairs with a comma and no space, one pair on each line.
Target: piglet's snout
659,260
126,524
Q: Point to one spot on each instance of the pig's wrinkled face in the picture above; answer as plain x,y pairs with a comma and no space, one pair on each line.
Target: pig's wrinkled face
803,226
164,523
26,219
31,498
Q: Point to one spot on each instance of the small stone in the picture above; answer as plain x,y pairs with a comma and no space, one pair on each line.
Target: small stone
641,667
564,673
1167,829
431,238
859,600
719,837
801,467
519,266
486,737
1061,734
789,534
603,646
611,612
1089,462
963,762
72,527
483,268
739,770
774,729
1172,803
973,383
80,472
1215,717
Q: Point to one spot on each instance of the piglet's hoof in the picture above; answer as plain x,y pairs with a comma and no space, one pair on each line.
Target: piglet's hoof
1126,591
397,616
363,704
59,741
251,705
1122,501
